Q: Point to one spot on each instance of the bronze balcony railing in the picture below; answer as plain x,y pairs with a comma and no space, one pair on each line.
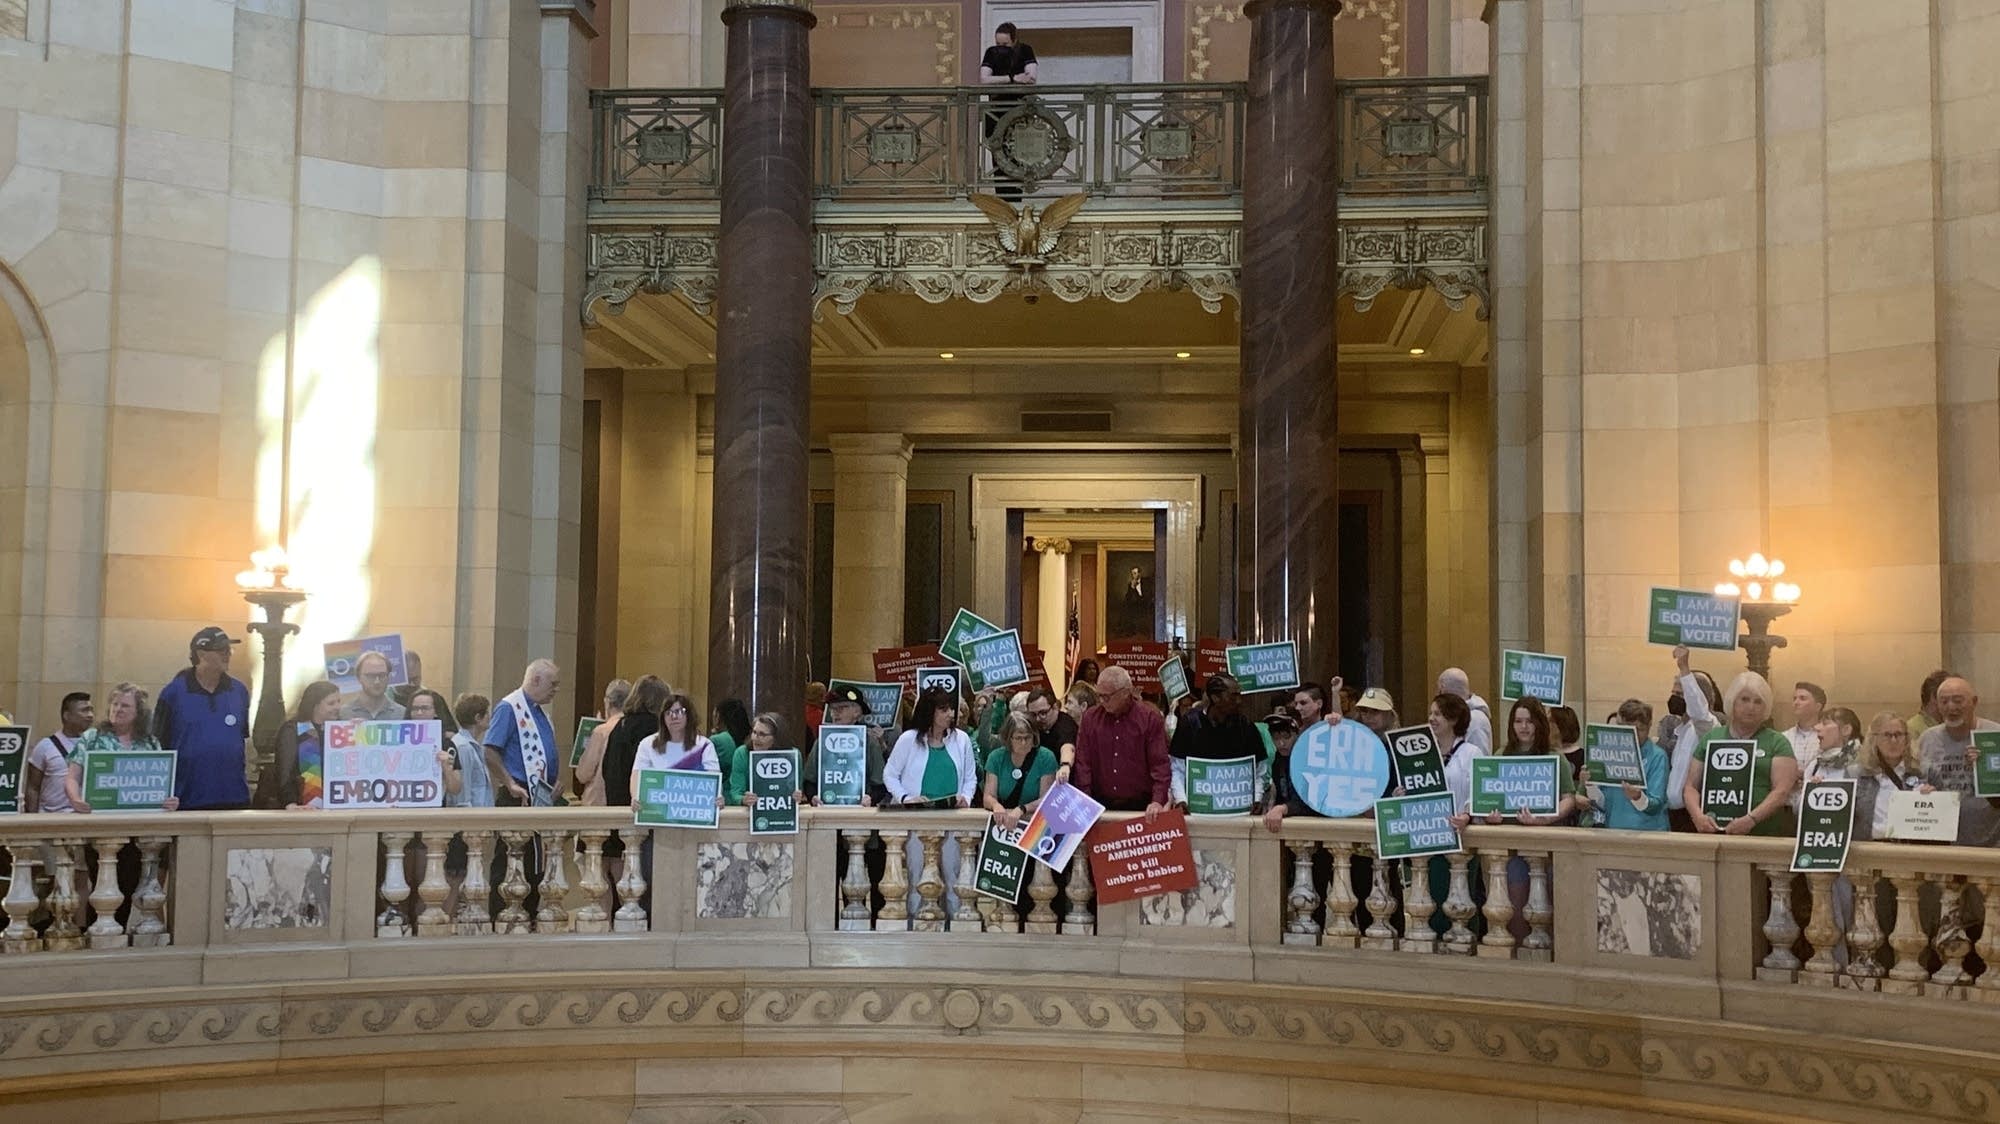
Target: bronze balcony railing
1408,141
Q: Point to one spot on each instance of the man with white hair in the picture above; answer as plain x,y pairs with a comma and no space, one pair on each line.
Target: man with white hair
1945,754
1454,681
521,741
1121,749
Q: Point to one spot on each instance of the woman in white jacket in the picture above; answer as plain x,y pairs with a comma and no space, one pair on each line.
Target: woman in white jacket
932,763
1698,691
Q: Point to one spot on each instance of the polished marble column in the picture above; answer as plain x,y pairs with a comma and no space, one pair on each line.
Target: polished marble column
757,609
1288,452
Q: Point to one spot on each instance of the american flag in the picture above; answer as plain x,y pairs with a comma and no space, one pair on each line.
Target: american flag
1073,646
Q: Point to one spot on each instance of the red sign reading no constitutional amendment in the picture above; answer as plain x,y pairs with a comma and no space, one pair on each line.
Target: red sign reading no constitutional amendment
1134,859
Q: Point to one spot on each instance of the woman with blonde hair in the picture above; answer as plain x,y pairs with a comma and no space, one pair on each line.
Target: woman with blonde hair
1774,768
1885,764
127,725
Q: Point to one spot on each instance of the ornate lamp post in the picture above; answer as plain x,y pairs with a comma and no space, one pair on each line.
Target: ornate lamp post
1764,599
268,585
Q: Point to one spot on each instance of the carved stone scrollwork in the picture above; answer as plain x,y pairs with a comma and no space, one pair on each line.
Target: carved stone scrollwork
662,259
1447,254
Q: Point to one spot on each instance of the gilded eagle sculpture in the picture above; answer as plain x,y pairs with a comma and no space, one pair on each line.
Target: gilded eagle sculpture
1024,232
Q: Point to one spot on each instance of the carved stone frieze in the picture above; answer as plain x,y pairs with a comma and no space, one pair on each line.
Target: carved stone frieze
1114,257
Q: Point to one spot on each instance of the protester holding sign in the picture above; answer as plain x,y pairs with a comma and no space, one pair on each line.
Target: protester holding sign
1632,807
1836,749
767,731
1216,731
296,777
1948,757
846,705
521,750
1885,766
1450,720
1121,750
641,720
588,774
1018,774
932,760
124,728
426,705
1774,771
1694,699
1531,733
675,747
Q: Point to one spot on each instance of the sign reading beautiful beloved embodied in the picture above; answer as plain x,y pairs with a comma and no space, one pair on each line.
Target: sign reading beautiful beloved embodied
1419,765
383,765
1058,826
1512,785
1826,826
843,764
1693,618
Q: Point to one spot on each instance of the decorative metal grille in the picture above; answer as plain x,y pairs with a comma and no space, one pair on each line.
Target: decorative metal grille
658,144
1413,136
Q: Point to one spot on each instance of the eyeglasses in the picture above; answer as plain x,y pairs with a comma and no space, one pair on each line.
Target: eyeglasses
1902,734
677,710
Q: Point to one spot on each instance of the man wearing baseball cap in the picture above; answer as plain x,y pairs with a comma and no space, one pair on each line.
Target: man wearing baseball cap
203,716
845,706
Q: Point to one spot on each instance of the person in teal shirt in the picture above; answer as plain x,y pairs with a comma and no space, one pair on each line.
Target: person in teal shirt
732,734
1774,771
767,731
1631,807
1019,773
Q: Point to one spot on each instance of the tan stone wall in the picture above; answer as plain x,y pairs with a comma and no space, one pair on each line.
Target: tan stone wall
1727,320
196,195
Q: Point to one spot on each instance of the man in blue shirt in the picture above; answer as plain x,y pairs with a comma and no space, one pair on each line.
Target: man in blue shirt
203,716
521,747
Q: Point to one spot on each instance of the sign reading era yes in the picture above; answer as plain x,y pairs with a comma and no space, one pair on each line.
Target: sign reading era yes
843,764
1265,667
1693,618
1826,826
13,763
1419,765
1339,770
1532,675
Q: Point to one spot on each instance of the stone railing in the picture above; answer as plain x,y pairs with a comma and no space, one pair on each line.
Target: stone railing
1608,940
1403,141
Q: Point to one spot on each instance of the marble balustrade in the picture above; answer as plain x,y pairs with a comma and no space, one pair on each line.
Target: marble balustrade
150,898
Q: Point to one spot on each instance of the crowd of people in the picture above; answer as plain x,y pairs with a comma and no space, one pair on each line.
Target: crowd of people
1005,750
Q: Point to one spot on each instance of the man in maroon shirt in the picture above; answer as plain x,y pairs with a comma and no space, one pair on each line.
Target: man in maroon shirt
1121,749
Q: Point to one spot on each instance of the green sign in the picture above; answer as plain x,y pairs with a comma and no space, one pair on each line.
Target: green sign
1408,827
1516,784
1726,777
1985,766
1826,826
1419,765
1693,618
1003,865
128,780
995,661
774,792
1611,755
13,762
1264,667
1532,675
843,764
1221,788
584,727
884,699
1173,679
966,626
678,798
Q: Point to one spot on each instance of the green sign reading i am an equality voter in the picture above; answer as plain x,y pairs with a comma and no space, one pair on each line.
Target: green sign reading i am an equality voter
1693,618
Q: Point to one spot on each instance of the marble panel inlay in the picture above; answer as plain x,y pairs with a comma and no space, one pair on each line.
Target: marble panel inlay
1211,904
743,880
1649,913
278,888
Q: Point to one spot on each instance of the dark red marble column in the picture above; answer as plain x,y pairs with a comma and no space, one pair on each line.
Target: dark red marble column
757,635
1288,450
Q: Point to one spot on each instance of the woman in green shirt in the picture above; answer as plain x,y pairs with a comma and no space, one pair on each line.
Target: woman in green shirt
732,733
767,731
1774,771
1019,773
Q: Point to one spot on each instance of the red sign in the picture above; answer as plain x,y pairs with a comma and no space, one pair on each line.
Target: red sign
899,665
1133,859
1140,657
1210,658
1038,675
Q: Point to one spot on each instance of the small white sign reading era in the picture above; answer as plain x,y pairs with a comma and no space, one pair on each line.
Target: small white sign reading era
1923,817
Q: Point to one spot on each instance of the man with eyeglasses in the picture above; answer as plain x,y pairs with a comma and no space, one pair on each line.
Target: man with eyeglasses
1121,749
1056,730
1946,755
373,704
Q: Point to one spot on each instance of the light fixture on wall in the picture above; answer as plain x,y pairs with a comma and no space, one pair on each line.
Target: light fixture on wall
1763,599
1416,351
269,585
947,355
1183,354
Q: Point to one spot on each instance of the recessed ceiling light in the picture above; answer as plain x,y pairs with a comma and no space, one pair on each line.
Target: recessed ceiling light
1183,354
947,355
1416,351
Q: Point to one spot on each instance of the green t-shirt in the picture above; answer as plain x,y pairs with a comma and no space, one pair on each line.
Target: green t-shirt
940,773
1000,766
726,750
1771,745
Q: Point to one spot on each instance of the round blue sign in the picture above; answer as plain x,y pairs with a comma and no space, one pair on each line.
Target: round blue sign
1340,770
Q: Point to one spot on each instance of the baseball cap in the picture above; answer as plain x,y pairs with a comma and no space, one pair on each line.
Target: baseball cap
211,639
1281,719
1375,698
847,693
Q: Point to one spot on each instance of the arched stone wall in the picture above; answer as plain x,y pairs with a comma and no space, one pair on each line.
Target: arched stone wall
27,366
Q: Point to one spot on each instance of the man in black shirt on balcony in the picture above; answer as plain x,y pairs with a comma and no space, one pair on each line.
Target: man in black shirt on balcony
1008,62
